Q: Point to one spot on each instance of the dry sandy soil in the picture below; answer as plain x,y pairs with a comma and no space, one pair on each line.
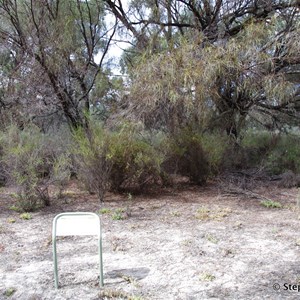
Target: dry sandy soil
182,243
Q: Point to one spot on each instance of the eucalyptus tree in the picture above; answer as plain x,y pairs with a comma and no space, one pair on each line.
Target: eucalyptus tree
59,49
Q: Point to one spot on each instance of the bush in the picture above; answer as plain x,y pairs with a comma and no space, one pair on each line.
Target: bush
118,160
258,139
135,162
32,165
285,155
90,150
255,146
277,153
197,156
2,173
252,150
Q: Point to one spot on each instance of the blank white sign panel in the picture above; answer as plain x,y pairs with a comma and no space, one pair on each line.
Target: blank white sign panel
77,225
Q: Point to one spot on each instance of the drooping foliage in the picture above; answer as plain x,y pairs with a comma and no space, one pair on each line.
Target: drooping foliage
196,78
220,85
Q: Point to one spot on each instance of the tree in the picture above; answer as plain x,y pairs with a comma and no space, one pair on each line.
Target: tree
55,44
224,62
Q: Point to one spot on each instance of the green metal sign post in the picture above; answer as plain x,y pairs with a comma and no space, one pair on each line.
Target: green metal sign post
77,223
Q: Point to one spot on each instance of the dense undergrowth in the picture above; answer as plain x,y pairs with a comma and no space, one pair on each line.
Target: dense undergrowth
130,158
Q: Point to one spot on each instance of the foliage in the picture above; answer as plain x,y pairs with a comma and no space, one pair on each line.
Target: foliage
117,216
207,277
277,153
196,72
211,238
257,139
285,156
9,292
15,208
105,95
271,204
215,145
205,214
55,45
135,163
220,85
104,210
254,148
25,216
120,159
32,165
90,151
195,155
118,294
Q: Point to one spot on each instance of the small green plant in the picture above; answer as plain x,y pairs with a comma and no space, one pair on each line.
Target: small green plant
11,220
9,292
129,197
207,277
271,204
15,208
175,214
117,294
104,211
131,280
26,216
187,242
14,195
129,205
211,238
202,213
118,214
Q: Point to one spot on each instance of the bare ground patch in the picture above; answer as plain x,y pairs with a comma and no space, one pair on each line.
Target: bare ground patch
185,243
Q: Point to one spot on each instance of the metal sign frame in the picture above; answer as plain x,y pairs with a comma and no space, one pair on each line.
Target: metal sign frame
77,223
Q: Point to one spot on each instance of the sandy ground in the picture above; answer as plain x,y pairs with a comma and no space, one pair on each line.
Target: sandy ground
184,243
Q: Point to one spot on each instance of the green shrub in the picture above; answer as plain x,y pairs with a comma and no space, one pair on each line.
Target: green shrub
215,146
118,160
257,139
23,161
31,164
285,156
277,153
252,151
90,151
135,162
197,156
